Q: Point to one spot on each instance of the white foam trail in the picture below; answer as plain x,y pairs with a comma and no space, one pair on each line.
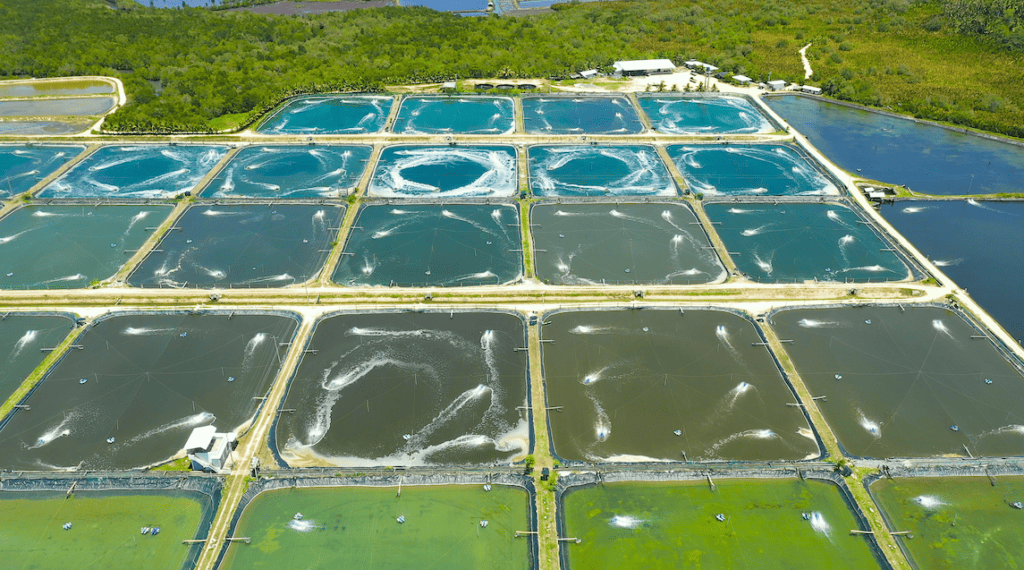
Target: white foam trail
929,501
497,179
481,275
740,211
940,326
56,432
915,209
144,331
1014,429
304,525
463,399
819,524
813,324
602,426
25,339
250,349
946,262
594,377
832,215
42,214
75,277
453,216
214,213
281,277
188,422
10,238
872,427
871,268
845,240
763,434
765,265
587,329
136,219
626,521
754,231
723,335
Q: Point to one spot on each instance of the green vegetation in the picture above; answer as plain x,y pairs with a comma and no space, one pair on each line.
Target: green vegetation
957,61
180,464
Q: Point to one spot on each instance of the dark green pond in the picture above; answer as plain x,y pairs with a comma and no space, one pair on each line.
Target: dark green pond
408,389
420,245
801,242
906,383
629,380
145,381
69,247
242,246
589,244
22,338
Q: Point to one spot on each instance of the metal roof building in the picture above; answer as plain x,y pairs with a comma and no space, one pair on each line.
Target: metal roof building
644,66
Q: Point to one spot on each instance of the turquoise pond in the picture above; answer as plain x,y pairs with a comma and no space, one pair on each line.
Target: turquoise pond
445,171
926,158
329,115
291,172
142,171
626,170
801,242
975,244
67,247
22,338
420,245
580,115
704,115
593,244
458,115
242,246
750,169
22,166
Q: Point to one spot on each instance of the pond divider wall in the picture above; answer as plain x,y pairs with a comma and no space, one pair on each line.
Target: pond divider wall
329,477
272,433
205,486
823,451
577,481
113,314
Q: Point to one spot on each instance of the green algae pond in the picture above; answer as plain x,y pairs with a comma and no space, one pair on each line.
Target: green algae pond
645,525
907,381
22,338
357,528
105,529
667,385
958,523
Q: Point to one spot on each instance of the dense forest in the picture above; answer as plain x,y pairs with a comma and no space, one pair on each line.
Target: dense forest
957,61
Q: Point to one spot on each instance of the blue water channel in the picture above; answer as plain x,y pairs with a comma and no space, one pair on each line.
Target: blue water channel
800,242
22,166
461,115
329,115
142,171
977,245
291,172
580,115
925,158
445,171
625,170
750,169
704,115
